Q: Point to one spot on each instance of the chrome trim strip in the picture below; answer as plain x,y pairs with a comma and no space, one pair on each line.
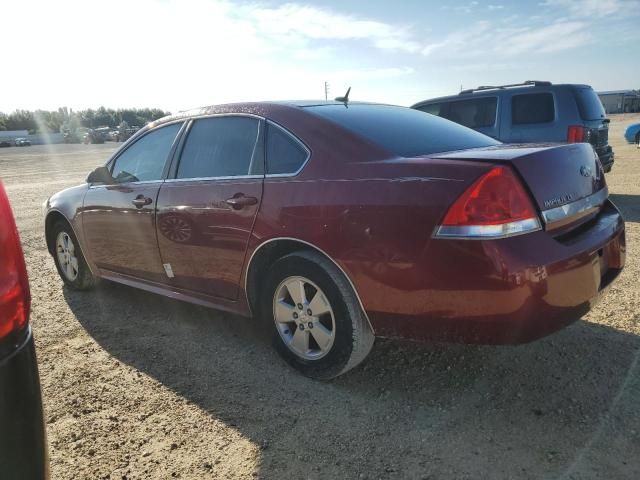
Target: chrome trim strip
227,114
112,185
246,272
488,232
201,179
295,139
577,209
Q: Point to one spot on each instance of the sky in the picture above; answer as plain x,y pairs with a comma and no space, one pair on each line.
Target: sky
180,54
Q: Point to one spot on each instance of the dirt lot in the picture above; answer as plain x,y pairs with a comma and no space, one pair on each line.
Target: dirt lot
138,386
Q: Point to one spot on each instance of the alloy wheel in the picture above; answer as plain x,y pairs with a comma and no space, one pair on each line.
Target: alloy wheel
304,318
67,259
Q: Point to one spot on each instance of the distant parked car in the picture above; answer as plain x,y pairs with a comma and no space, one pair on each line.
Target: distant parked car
530,112
71,136
22,142
93,137
632,134
5,143
334,225
23,447
103,132
124,135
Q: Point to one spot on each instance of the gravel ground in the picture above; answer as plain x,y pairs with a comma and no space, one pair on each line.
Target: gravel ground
138,386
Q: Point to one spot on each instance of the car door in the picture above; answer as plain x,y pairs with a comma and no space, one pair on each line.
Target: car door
118,219
206,211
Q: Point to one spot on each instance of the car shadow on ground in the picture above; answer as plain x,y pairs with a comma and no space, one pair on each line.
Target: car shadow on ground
629,205
549,408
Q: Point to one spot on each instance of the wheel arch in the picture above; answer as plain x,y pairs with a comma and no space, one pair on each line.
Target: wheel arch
52,217
273,249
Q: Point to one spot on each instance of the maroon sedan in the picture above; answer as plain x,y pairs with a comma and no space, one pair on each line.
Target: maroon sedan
335,223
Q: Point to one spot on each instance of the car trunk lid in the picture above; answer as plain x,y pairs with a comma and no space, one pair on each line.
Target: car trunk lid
566,181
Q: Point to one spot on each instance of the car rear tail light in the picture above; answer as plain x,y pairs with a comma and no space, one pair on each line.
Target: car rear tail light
575,134
15,299
494,206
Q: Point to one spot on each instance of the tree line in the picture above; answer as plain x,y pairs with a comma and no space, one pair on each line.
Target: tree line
65,119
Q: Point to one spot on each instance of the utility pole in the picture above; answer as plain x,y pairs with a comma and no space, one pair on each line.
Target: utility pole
326,90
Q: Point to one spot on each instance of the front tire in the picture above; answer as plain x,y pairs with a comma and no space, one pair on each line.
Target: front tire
315,319
70,262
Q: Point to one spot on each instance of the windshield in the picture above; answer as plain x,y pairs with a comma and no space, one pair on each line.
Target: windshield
403,131
589,104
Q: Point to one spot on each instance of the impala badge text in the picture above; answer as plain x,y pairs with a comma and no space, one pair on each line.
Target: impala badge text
557,201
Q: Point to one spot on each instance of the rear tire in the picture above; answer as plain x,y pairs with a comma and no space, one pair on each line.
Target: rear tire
638,140
320,345
70,262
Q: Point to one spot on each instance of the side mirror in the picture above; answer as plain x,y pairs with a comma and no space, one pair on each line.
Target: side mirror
100,175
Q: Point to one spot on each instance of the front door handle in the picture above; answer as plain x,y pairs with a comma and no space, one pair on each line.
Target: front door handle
239,200
140,201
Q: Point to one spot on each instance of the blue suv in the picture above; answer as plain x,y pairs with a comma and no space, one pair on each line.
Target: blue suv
530,112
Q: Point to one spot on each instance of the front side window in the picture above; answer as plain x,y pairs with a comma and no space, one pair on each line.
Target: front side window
284,154
532,108
221,147
145,159
473,113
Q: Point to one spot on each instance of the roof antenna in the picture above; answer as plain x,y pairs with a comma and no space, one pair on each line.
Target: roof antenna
344,99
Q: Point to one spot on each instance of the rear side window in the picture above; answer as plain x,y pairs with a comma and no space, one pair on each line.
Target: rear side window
144,160
589,104
434,109
473,113
403,131
284,154
220,147
532,108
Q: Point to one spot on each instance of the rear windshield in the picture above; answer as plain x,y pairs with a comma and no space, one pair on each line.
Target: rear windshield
403,131
589,104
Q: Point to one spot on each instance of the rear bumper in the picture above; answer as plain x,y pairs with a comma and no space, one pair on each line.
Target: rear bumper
507,291
23,446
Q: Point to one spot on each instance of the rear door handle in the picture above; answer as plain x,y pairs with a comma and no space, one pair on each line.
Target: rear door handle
239,200
140,201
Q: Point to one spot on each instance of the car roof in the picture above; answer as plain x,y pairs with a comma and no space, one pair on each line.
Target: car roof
492,91
262,109
314,103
